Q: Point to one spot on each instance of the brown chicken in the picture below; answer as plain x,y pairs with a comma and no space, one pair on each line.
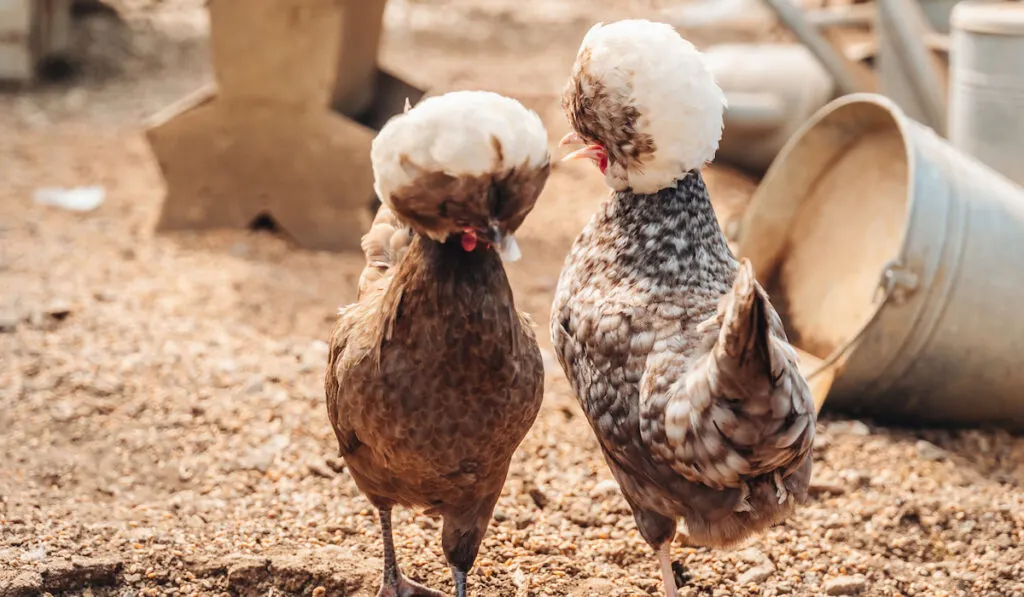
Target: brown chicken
676,355
433,376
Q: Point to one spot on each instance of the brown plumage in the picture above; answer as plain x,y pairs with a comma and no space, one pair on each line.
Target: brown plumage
433,376
597,112
672,347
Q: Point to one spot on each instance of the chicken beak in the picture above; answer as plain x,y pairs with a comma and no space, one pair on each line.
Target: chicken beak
592,152
508,249
571,138
506,245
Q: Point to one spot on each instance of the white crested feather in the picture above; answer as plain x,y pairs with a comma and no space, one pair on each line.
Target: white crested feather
665,77
452,133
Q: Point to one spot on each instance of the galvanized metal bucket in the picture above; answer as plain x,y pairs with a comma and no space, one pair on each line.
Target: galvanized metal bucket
943,341
987,84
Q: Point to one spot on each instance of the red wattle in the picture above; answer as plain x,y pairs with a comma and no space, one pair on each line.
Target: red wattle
469,241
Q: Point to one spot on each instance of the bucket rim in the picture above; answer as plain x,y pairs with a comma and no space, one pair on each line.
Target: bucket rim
988,17
901,124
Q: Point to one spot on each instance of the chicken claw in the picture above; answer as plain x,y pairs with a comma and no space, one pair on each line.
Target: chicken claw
780,487
394,584
744,502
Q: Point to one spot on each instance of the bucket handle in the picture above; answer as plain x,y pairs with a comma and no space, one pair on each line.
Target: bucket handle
896,284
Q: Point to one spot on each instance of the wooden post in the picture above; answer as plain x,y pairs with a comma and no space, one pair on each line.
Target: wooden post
265,141
360,37
30,32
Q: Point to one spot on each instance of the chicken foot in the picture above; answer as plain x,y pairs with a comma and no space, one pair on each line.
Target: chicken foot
780,487
393,583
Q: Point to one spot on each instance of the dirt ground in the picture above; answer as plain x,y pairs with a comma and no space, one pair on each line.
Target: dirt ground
162,427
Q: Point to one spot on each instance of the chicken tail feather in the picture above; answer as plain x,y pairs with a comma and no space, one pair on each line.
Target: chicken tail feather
742,409
743,341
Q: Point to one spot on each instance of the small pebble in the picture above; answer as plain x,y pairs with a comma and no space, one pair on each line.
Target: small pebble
753,556
62,411
58,310
846,585
605,488
37,554
592,586
320,469
859,429
757,574
929,451
826,486
538,497
262,457
254,385
8,323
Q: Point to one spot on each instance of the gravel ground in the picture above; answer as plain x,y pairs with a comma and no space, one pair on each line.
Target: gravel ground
162,410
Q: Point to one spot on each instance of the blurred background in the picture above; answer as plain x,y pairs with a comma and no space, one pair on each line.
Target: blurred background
182,189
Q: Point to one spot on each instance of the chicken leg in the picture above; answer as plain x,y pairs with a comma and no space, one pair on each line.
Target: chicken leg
394,584
461,536
460,582
668,577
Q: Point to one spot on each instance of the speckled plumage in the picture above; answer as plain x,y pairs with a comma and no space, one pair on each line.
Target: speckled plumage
673,349
682,368
433,376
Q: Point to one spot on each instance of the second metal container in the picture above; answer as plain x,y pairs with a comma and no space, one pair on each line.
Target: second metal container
986,116
771,90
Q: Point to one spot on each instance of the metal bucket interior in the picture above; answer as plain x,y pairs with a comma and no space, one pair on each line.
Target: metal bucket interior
788,191
861,231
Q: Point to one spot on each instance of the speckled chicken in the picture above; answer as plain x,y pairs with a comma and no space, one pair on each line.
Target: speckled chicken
433,376
676,355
